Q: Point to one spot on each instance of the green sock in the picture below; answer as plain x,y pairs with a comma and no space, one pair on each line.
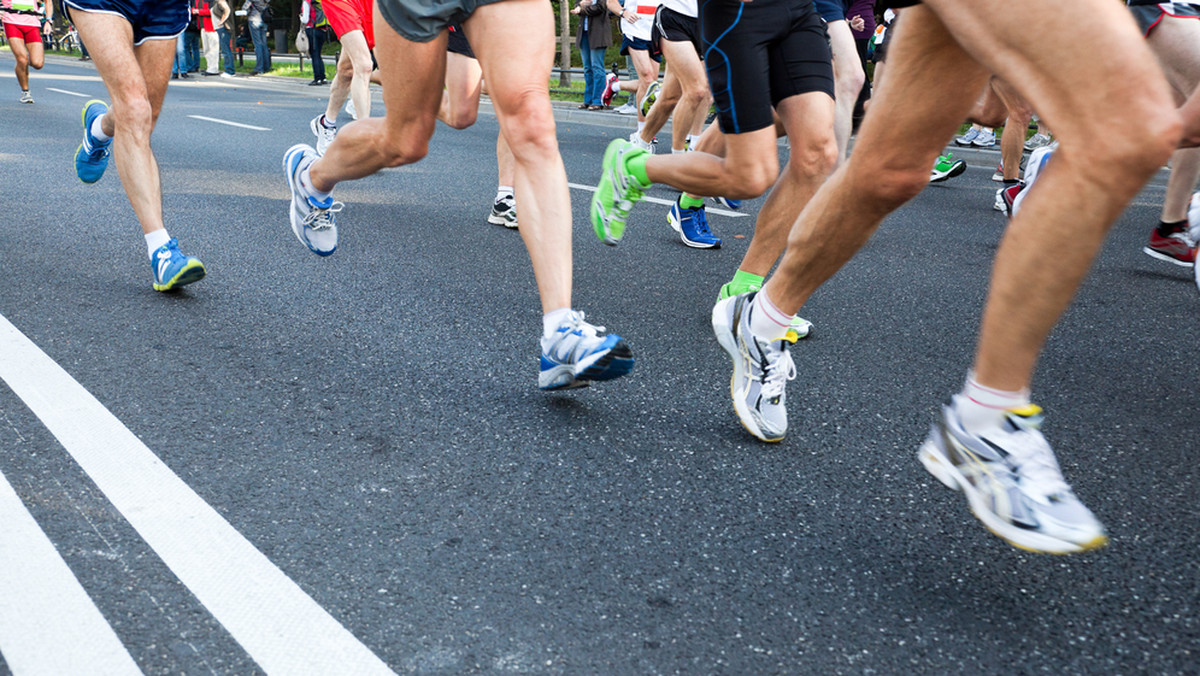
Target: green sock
747,278
688,202
636,166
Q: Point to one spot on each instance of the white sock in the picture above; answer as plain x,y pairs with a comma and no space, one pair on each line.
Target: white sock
97,130
307,186
503,191
551,321
676,152
326,123
768,322
981,408
641,125
155,241
692,140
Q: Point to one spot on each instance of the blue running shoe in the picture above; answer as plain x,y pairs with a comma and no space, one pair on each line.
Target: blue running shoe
91,158
729,203
579,353
172,269
313,221
692,226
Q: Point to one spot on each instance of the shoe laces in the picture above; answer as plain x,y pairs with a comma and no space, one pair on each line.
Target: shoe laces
321,218
700,221
1030,455
777,369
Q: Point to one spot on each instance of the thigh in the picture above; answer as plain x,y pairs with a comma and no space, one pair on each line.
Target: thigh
513,74
154,59
685,63
413,75
36,53
801,63
18,44
463,80
645,66
1176,43
1081,80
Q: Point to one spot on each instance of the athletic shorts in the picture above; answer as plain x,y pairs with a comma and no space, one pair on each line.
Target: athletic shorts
457,44
424,20
350,15
831,10
1149,16
151,19
672,26
29,34
628,43
760,53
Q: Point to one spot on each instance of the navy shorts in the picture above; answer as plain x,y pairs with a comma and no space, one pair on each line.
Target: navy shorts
628,43
760,53
151,19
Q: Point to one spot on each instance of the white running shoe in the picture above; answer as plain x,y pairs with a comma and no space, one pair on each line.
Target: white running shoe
636,139
325,135
1012,482
999,204
313,222
1036,165
579,353
350,108
26,97
504,212
761,370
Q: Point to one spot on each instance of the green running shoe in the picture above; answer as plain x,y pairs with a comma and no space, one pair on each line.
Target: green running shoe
945,168
617,193
800,328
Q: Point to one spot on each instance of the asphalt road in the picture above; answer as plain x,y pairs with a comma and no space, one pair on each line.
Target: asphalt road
371,424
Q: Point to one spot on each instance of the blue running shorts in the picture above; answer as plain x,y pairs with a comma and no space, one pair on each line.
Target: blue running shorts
151,19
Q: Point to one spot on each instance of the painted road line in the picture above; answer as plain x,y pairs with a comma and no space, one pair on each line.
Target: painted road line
279,625
63,91
48,624
232,124
658,200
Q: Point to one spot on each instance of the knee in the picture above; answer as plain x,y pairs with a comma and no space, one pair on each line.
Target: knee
892,187
37,63
695,97
133,116
406,148
462,118
850,78
750,179
814,159
22,61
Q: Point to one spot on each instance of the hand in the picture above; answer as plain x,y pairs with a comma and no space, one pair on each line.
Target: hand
575,10
857,23
629,16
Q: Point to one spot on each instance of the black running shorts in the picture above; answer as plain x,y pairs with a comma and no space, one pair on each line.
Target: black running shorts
672,26
1148,15
760,53
457,44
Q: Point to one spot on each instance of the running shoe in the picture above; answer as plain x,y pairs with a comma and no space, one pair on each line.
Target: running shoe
728,203
649,98
617,193
1036,141
1175,248
1034,168
91,157
692,226
946,168
761,370
984,139
26,97
350,110
998,175
504,212
1009,195
610,80
800,328
314,221
626,108
579,353
325,135
636,139
172,269
1012,482
967,138
999,204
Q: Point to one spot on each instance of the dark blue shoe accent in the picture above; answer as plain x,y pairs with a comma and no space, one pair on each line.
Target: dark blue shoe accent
91,158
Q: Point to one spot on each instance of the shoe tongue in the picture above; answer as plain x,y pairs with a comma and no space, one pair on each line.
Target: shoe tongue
1022,418
321,204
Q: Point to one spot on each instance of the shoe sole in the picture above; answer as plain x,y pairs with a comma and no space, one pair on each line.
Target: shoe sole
84,124
609,174
614,363
1166,257
936,463
500,220
728,342
297,227
192,272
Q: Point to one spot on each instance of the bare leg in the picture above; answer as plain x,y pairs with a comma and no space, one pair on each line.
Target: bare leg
1174,41
21,53
1012,143
848,81
352,78
518,84
464,83
136,79
664,105
647,72
693,81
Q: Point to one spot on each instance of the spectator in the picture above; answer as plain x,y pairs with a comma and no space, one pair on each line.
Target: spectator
191,40
259,21
208,37
179,66
315,23
593,40
222,16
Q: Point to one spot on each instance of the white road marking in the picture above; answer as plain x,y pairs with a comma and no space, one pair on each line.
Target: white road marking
279,625
232,124
658,200
63,91
48,624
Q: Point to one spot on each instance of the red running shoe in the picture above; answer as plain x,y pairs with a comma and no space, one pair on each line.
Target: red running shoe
1174,248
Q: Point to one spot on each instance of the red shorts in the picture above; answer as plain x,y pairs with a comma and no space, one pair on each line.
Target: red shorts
350,15
25,33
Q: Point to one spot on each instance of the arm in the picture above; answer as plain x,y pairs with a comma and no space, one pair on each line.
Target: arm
592,7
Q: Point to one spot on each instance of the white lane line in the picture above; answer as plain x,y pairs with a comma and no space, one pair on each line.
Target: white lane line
48,624
232,124
279,625
658,200
63,91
